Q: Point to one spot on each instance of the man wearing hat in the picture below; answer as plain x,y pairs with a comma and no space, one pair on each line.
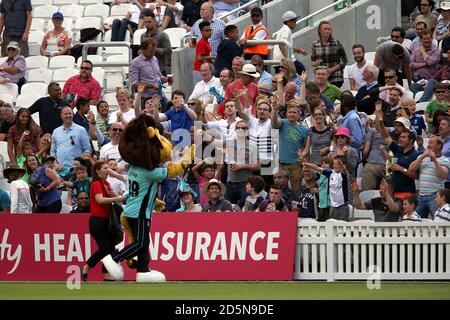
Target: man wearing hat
15,16
14,68
257,31
20,190
245,82
215,191
285,33
265,78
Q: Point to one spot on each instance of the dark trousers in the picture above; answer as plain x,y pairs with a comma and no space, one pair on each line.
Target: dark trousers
55,207
235,192
299,67
98,228
140,228
338,83
24,50
248,56
120,27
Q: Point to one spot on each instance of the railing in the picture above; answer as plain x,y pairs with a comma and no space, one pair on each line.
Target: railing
359,250
105,64
270,42
312,15
239,9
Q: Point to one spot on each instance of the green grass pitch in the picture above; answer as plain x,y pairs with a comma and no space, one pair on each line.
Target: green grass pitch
226,291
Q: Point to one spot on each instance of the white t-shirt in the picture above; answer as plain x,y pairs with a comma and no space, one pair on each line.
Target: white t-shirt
226,131
285,33
128,116
20,197
117,185
260,133
111,151
201,89
135,12
336,193
355,73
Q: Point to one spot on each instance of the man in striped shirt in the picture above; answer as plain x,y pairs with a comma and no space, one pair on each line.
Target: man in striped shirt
433,168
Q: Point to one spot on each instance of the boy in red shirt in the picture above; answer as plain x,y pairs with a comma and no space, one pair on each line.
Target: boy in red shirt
202,50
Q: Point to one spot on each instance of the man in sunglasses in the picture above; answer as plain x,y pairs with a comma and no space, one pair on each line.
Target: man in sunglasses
111,149
394,56
83,84
14,68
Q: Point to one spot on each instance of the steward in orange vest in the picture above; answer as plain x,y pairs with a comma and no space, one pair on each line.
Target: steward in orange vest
250,34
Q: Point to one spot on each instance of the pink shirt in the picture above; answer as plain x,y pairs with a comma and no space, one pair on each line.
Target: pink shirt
252,92
89,89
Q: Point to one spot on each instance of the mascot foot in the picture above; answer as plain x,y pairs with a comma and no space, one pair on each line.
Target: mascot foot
151,276
114,268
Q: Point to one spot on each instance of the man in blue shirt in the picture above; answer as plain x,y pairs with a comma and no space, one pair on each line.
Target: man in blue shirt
69,141
180,117
292,139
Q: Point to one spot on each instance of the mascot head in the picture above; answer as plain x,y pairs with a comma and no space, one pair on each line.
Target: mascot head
141,144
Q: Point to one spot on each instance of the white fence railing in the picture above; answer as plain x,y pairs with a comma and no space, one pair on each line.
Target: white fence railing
354,251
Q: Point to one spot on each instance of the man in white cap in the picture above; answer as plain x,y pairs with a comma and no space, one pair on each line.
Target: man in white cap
215,191
285,33
14,68
245,83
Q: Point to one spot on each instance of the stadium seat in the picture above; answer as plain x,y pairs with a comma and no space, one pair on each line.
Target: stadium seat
97,10
10,88
44,11
114,80
40,75
370,55
108,21
68,23
110,98
61,75
118,58
35,117
63,2
99,75
85,2
175,36
38,24
64,61
94,58
26,99
39,88
409,94
37,3
418,95
120,9
4,151
109,51
34,42
107,37
369,194
363,214
36,62
74,11
137,36
7,98
88,22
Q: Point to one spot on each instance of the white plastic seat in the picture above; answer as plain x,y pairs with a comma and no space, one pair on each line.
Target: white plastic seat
44,11
175,36
89,1
120,9
108,21
370,55
107,37
35,117
38,3
4,151
36,62
34,42
64,61
74,11
40,75
137,36
61,75
363,214
88,22
99,75
10,88
114,80
111,99
7,98
116,51
68,23
37,24
418,95
369,194
63,2
94,58
97,10
409,94
39,88
421,106
27,99
118,58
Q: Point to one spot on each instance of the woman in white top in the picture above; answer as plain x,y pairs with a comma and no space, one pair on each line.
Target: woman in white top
58,40
20,191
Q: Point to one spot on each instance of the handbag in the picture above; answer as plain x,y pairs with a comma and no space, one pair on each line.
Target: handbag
114,225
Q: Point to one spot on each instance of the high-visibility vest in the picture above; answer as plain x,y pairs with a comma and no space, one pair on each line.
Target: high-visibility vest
260,48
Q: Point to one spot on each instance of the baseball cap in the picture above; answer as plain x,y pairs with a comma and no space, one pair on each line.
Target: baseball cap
256,11
13,44
58,15
289,15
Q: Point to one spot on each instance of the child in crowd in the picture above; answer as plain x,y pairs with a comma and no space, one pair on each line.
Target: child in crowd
409,208
207,170
443,201
187,198
20,190
26,149
322,183
256,194
202,50
117,181
82,183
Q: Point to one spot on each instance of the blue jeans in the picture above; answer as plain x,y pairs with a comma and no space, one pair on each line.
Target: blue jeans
427,206
427,93
120,27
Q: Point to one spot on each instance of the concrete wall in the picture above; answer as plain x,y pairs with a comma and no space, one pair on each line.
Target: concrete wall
183,59
363,23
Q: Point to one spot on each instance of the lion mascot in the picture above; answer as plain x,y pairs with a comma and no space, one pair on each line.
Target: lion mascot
149,156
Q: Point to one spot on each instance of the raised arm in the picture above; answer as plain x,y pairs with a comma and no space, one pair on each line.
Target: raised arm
276,123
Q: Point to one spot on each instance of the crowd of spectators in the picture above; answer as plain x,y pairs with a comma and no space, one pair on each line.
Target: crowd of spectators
265,141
